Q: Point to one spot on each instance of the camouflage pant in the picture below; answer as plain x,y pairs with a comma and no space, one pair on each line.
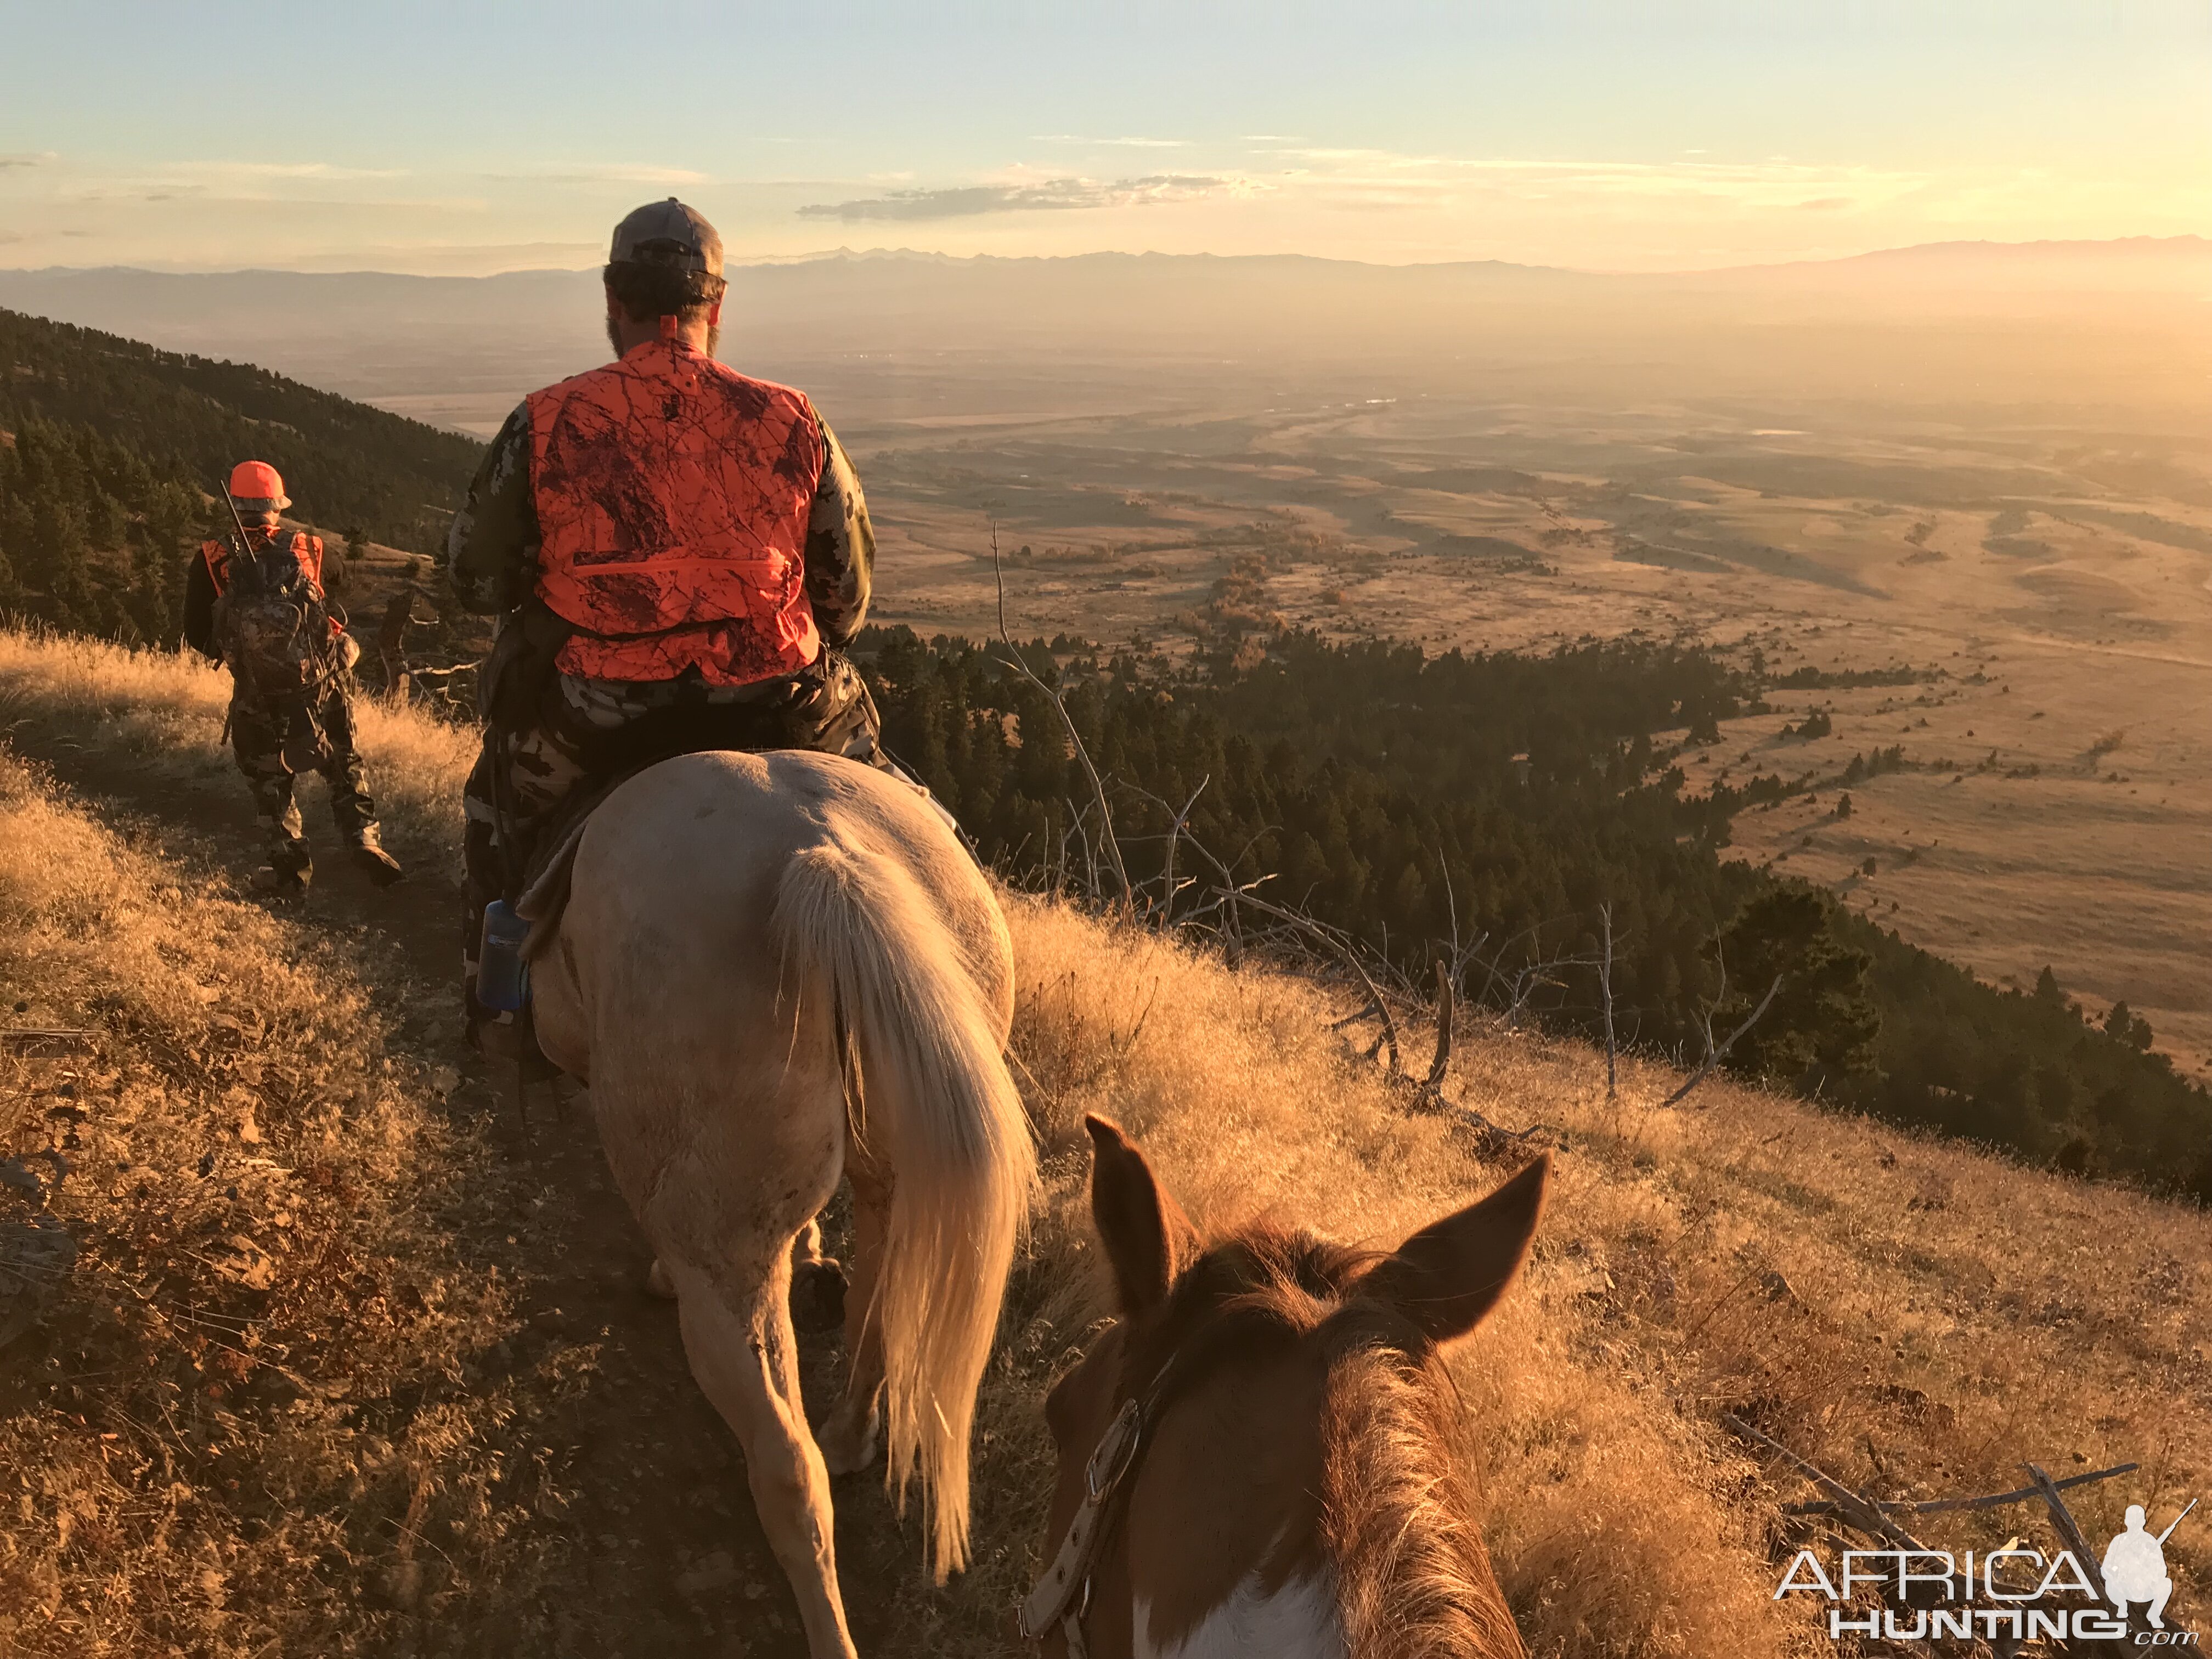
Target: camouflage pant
274,745
589,730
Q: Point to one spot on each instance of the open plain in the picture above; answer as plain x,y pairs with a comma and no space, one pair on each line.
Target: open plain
2050,593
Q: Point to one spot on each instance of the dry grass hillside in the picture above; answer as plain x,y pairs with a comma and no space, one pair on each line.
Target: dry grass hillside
251,1419
1916,1316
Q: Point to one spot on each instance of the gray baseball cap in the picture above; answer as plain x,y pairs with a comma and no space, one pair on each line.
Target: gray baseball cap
667,233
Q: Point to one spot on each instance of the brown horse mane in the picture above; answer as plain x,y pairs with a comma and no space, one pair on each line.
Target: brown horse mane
1398,1523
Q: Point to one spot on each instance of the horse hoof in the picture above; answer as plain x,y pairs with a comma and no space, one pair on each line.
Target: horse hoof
818,1295
848,1451
658,1283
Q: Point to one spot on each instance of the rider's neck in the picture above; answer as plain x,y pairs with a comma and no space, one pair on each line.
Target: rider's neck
627,334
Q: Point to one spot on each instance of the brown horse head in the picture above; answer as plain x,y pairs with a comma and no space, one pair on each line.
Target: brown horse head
1274,1447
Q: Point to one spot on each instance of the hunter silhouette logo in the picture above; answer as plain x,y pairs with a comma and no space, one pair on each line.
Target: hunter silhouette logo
2135,1565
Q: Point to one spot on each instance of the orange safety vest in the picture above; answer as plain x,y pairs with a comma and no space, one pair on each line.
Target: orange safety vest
673,495
307,550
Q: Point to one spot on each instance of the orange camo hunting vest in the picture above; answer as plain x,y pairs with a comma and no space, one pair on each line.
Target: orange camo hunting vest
307,550
674,495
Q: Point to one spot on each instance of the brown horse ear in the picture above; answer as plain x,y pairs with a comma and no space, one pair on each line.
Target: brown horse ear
1146,1235
1448,1275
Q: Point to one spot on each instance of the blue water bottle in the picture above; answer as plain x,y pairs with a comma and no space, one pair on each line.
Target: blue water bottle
503,976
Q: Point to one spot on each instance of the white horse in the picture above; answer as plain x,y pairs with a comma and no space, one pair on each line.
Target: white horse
771,970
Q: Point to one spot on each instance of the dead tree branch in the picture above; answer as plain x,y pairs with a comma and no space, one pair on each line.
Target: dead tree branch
1227,895
1714,1056
1177,820
30,1035
1605,992
1344,952
1447,1011
2070,1531
1113,848
1861,1512
1939,1505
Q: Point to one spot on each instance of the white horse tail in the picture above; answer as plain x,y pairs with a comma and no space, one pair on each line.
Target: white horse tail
941,1112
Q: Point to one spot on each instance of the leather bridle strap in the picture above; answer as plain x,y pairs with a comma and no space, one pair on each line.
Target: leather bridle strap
1062,1596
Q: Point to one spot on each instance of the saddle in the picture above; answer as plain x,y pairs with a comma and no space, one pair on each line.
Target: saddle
688,729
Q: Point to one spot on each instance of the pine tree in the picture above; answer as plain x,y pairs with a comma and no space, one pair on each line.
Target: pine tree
1821,1023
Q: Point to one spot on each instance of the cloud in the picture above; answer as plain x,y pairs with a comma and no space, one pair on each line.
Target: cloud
1132,144
1053,195
287,170
28,159
614,174
1372,178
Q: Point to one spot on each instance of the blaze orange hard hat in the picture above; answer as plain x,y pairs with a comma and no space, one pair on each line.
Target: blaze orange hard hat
257,482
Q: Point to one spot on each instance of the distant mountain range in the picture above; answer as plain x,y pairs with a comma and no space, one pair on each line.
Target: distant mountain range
398,340
899,292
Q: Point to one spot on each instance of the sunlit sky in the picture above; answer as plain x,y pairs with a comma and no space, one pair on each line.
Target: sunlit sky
468,138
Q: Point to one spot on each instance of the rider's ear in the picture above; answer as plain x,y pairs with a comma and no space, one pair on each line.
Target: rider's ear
1146,1235
1448,1275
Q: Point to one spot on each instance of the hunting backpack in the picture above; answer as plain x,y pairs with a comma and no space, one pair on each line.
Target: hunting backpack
272,622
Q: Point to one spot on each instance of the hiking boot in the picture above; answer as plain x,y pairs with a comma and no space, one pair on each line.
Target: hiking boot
379,865
291,870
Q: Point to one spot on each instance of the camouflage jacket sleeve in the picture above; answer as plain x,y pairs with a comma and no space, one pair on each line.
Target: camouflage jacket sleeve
199,605
840,546
491,552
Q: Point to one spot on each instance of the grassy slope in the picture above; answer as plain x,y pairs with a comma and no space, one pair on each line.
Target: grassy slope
252,1417
1915,1315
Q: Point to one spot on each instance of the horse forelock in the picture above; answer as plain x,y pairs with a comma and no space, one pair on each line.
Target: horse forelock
1398,1535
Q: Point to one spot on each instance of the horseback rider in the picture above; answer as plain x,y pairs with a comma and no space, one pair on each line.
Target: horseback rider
676,552
259,606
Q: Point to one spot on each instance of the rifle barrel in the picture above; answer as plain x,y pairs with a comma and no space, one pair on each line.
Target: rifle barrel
244,543
2177,1520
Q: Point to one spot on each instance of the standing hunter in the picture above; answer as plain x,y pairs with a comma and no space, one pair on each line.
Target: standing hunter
676,552
254,601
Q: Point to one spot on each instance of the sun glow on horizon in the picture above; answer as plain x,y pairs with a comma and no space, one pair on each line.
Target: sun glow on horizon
1591,134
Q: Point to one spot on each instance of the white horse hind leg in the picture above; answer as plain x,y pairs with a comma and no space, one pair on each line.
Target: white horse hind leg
744,1356
851,1434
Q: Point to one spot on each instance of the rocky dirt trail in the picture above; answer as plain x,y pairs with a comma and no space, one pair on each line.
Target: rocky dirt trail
675,1561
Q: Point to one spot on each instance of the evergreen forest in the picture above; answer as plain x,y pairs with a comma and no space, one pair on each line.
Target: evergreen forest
1490,813
112,448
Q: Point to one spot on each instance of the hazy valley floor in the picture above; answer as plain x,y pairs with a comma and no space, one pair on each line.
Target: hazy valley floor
1916,1317
2061,583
